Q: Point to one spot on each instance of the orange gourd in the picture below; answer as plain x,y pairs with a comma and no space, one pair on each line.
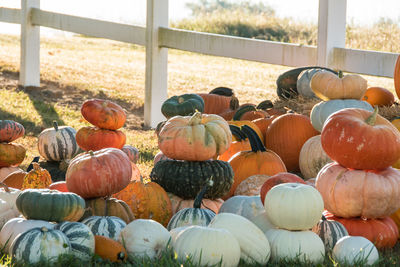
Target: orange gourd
109,249
93,138
378,96
36,178
11,154
103,114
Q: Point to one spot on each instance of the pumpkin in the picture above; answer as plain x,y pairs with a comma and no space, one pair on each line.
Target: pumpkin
246,206
10,131
359,139
258,160
11,154
251,186
144,238
186,178
93,138
396,123
109,249
103,114
262,222
207,246
301,209
254,246
251,124
132,153
241,144
322,110
249,113
36,178
312,157
7,212
396,218
5,171
159,156
264,123
330,231
108,226
9,194
279,178
303,82
147,200
50,205
81,238
57,143
228,114
182,105
352,193
218,100
355,250
60,186
108,207
194,138
100,173
396,77
179,203
286,135
192,216
328,86
15,179
304,246
378,96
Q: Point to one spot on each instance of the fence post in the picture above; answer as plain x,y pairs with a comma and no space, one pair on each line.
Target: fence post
331,29
29,73
156,84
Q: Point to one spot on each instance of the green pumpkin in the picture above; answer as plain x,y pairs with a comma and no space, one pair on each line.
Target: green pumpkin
186,178
183,105
108,226
50,205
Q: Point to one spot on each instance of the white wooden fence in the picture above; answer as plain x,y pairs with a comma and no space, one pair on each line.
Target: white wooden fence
157,37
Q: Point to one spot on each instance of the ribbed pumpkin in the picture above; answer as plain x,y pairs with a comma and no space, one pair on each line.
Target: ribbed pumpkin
93,138
108,207
352,193
100,173
132,153
11,154
40,244
382,232
108,226
194,138
246,206
10,130
182,105
179,203
147,200
264,123
396,77
36,178
256,161
109,249
81,238
286,135
330,231
378,96
186,178
241,144
360,139
218,100
312,157
103,114
50,205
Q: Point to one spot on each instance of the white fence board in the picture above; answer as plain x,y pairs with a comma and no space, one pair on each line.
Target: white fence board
10,15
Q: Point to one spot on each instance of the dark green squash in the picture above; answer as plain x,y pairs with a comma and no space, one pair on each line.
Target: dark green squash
183,105
50,205
186,178
225,91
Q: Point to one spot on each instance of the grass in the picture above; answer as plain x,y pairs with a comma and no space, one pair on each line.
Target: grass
75,69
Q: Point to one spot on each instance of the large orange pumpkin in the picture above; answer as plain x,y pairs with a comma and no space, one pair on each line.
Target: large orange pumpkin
242,144
286,135
378,96
258,160
93,138
103,114
99,174
360,139
11,154
396,77
179,203
10,130
148,200
264,123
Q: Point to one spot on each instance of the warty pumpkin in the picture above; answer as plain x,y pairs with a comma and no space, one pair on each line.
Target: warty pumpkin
37,177
11,154
103,114
10,130
378,96
93,138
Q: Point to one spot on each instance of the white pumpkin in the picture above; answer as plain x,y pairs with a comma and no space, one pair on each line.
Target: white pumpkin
355,250
246,206
207,247
305,246
312,157
175,233
294,206
254,245
7,212
262,222
16,226
9,194
144,238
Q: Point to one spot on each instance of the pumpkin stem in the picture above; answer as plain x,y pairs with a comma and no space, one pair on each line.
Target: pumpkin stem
200,195
255,142
372,118
241,111
55,125
323,218
340,74
30,167
234,103
5,187
91,153
237,133
195,119
264,105
224,91
181,100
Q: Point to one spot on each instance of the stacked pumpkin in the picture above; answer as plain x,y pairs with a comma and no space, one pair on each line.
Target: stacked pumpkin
11,154
359,188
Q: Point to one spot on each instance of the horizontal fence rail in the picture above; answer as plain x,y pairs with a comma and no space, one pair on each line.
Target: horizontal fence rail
10,15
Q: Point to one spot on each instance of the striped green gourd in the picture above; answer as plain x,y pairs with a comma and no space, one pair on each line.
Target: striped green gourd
81,238
108,226
192,216
330,232
58,143
40,245
50,205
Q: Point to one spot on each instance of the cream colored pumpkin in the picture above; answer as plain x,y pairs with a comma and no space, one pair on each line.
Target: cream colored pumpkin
207,247
305,246
251,186
7,212
254,246
175,233
294,206
352,250
262,222
9,195
312,157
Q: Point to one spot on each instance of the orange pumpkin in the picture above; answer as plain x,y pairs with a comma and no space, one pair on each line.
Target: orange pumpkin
249,113
396,123
132,152
286,135
15,179
103,114
264,123
60,186
378,96
36,178
179,203
5,171
93,138
256,161
242,144
219,100
108,206
396,77
109,249
148,200
230,112
11,154
10,130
